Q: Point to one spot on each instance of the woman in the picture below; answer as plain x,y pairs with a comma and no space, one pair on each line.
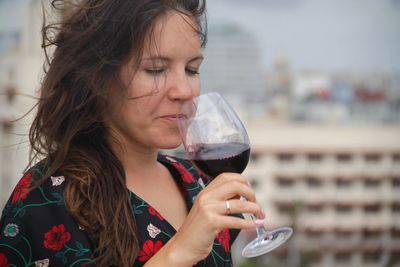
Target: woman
103,195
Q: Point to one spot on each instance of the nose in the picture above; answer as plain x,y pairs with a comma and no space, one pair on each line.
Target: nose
183,87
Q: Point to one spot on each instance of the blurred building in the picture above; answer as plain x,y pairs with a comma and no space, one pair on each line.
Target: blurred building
338,186
277,91
345,98
20,69
232,64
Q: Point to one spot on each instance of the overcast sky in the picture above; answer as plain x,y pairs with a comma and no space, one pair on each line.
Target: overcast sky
10,14
361,35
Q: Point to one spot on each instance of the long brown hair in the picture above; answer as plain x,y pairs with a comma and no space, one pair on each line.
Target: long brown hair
94,39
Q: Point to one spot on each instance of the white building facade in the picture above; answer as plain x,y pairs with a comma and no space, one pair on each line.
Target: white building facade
20,74
338,186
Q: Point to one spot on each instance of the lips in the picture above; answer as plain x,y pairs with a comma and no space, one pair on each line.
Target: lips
172,116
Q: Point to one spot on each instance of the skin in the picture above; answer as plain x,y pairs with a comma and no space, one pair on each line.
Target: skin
140,126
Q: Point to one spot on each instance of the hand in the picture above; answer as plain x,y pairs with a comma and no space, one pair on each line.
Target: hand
194,239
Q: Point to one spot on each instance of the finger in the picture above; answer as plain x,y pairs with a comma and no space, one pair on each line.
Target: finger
232,222
227,177
231,190
239,206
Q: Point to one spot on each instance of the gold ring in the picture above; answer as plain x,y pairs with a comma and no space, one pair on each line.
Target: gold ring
227,207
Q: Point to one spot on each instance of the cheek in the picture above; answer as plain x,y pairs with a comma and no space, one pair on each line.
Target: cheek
114,108
123,113
144,85
132,112
195,85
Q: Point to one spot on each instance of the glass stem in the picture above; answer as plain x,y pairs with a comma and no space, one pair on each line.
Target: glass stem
260,229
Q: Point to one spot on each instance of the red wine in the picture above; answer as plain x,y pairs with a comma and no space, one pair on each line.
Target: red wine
214,159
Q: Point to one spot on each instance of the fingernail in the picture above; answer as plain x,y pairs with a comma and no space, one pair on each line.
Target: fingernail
259,222
263,214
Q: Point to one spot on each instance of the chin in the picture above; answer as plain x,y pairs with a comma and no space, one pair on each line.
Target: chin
170,143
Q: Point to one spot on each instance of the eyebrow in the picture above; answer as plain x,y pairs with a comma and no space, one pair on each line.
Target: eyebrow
162,58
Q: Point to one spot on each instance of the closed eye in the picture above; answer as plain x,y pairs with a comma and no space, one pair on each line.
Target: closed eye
154,71
192,72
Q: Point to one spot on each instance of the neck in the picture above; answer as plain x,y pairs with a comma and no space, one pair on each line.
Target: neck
138,162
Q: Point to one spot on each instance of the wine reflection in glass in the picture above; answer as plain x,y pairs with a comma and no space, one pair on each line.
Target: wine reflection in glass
216,141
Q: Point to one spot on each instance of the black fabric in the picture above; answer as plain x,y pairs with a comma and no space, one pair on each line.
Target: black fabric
37,229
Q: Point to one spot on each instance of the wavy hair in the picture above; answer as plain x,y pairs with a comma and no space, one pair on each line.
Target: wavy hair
90,44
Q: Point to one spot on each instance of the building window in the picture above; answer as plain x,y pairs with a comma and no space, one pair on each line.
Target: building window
369,234
254,156
344,157
342,257
343,208
372,158
315,157
314,234
285,157
394,258
10,91
313,182
343,235
395,208
310,258
285,182
396,182
396,158
372,183
372,208
7,125
315,208
286,209
372,256
343,182
254,182
395,233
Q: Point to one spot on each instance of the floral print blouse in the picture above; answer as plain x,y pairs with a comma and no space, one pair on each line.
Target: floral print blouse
36,229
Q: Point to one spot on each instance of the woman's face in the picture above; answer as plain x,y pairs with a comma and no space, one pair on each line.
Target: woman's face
145,117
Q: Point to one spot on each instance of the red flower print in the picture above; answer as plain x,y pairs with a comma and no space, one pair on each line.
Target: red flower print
149,249
21,190
56,237
224,238
152,211
185,174
3,260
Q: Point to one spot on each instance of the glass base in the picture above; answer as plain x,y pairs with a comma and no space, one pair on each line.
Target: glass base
266,242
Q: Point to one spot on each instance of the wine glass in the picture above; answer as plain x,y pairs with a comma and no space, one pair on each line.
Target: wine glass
216,141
